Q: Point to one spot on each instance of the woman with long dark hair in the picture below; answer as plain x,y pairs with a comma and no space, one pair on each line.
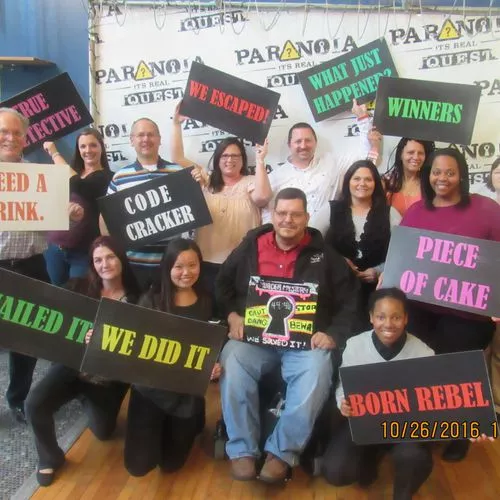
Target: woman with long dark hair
360,228
109,276
67,252
234,198
402,179
162,425
448,207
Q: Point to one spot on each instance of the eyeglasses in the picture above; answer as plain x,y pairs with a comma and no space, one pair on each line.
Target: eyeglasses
15,134
229,157
293,215
145,135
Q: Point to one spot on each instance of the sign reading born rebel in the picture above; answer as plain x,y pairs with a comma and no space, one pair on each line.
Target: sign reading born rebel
138,345
42,320
421,399
433,111
331,86
445,269
280,312
229,103
54,109
152,211
34,197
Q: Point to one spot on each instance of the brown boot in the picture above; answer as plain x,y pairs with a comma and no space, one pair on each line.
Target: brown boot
243,468
274,470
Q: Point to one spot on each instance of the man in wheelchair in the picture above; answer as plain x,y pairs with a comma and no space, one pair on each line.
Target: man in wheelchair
285,249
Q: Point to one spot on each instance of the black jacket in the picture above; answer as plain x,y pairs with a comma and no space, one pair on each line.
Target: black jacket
337,295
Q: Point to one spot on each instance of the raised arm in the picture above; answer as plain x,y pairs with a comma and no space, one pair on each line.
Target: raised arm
176,142
262,192
57,158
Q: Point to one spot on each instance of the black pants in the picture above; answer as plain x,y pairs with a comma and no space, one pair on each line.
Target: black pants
209,274
21,367
345,463
59,386
155,438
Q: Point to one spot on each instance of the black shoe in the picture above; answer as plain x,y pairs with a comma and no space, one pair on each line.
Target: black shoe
456,450
45,478
17,414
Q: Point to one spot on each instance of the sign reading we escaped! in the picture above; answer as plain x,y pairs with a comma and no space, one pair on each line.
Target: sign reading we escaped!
421,399
155,210
54,109
280,312
331,86
42,320
229,103
445,269
138,345
34,197
434,111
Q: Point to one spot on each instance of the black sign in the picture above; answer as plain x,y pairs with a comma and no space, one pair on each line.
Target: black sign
280,312
137,345
155,210
445,269
42,320
422,399
433,111
229,103
54,109
331,86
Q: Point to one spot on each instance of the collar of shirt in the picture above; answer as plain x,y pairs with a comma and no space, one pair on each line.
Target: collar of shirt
389,352
160,164
275,262
315,160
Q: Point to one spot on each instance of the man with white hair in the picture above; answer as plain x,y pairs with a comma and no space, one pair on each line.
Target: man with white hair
20,252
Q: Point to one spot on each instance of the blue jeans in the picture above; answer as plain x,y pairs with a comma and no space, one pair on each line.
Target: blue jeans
308,375
65,263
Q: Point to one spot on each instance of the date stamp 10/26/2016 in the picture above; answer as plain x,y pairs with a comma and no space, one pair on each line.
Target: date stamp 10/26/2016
437,430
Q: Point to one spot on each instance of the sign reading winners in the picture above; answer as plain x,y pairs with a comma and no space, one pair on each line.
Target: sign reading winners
280,312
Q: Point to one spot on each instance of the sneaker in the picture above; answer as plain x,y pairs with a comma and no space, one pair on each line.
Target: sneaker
243,468
274,470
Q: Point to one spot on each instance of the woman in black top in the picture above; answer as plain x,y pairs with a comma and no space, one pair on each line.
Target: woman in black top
67,253
109,276
360,229
162,425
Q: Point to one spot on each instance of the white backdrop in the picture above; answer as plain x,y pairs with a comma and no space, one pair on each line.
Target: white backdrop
141,70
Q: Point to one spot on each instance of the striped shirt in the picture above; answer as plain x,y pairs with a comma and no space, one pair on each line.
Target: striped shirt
133,175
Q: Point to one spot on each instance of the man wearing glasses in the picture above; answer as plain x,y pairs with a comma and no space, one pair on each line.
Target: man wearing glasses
20,252
146,139
286,249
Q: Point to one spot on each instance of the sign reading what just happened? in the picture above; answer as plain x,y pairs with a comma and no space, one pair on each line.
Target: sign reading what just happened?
331,86
433,111
138,345
229,103
42,320
152,211
445,269
54,109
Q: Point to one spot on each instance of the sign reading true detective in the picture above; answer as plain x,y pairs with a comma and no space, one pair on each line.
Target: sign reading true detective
229,103
433,111
138,345
280,312
445,269
331,86
155,210
42,320
422,399
54,109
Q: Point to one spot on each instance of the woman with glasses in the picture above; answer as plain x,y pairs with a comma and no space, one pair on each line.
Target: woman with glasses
234,198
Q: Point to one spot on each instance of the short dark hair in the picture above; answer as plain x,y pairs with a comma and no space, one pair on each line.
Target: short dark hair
494,166
77,163
378,196
300,125
291,194
388,293
428,193
216,183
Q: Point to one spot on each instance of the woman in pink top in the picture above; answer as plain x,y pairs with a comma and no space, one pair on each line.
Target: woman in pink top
402,180
448,207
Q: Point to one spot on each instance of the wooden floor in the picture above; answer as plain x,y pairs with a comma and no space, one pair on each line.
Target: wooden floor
94,470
